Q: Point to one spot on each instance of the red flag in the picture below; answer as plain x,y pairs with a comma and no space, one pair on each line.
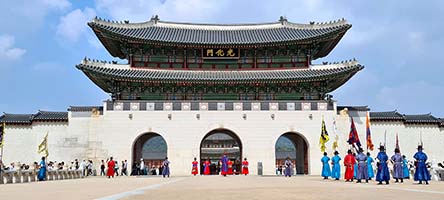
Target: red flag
353,137
368,135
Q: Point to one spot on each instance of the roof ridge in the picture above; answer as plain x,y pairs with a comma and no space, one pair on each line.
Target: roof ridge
282,22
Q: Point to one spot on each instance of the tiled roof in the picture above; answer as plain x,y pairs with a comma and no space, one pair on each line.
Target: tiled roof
353,108
50,116
84,108
226,34
16,118
125,72
390,115
29,118
408,119
424,118
114,34
441,120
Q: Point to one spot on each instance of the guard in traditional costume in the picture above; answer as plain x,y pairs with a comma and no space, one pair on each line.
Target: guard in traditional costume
206,169
421,173
326,172
405,168
362,171
349,163
336,167
397,166
224,165
194,169
383,171
245,167
355,168
288,166
371,173
111,164
230,167
42,170
166,168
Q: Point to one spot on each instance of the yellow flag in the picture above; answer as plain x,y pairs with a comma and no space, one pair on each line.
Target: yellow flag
324,136
43,146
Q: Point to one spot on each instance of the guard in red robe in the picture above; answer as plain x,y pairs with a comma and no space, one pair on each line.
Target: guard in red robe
245,167
349,163
230,167
195,165
207,164
111,165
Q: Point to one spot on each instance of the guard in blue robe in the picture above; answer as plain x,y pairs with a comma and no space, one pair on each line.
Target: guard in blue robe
397,166
336,167
42,171
405,168
224,165
325,166
166,168
421,173
362,172
383,171
355,168
371,173
288,166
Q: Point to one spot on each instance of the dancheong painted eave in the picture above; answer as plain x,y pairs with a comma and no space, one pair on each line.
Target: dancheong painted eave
114,34
104,74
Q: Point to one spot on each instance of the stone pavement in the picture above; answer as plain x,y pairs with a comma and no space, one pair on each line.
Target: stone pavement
216,187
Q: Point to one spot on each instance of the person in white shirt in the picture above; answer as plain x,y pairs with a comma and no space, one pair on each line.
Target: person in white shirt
142,167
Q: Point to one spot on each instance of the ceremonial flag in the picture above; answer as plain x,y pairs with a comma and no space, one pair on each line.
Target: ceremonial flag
335,131
2,133
324,136
397,143
43,146
353,138
369,135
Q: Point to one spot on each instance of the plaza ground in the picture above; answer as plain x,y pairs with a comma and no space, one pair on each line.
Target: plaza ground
216,187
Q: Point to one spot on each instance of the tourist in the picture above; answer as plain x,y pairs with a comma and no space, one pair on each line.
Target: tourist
111,164
362,171
371,173
383,171
336,167
405,168
288,164
280,170
160,169
207,165
421,173
134,169
124,168
102,169
245,167
349,163
230,167
194,167
116,168
76,164
166,168
142,167
397,166
42,170
326,172
224,165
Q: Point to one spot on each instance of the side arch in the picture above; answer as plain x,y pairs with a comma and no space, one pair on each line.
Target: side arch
151,147
295,146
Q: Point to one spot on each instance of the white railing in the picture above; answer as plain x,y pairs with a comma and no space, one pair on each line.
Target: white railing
25,176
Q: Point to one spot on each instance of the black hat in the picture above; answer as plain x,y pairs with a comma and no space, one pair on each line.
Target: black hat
420,147
349,151
336,153
381,147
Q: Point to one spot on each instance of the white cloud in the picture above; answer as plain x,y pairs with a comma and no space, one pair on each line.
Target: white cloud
7,49
74,24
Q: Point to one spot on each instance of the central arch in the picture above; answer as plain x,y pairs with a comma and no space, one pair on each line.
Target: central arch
152,148
215,144
294,146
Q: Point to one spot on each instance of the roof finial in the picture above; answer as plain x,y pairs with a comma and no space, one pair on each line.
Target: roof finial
282,19
155,18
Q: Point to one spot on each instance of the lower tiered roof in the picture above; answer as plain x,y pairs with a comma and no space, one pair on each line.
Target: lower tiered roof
104,74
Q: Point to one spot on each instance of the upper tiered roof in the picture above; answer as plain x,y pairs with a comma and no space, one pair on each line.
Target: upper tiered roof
113,34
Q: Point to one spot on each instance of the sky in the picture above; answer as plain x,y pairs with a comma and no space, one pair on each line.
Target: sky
399,42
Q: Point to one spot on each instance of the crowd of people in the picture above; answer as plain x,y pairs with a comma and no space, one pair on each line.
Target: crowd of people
360,166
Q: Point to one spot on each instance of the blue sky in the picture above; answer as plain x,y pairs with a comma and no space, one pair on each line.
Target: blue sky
399,42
